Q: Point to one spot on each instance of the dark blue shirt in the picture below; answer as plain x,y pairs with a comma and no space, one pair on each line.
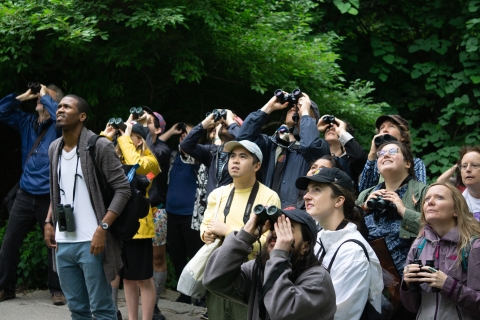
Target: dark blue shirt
35,175
182,187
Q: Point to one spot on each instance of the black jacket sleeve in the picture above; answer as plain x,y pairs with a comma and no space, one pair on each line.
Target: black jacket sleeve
199,152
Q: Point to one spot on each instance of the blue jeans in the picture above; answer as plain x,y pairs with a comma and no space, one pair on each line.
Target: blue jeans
84,283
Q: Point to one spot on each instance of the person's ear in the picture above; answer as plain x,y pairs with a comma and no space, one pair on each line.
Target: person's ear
158,131
340,201
83,116
304,248
257,166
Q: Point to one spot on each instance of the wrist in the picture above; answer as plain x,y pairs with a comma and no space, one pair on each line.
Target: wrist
50,222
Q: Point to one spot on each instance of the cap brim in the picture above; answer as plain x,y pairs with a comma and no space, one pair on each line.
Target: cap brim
148,109
229,146
382,119
303,182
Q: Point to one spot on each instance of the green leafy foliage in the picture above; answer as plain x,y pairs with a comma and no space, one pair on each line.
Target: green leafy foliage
32,268
427,58
181,57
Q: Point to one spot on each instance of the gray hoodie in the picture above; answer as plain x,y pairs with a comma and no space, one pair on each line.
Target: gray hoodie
312,296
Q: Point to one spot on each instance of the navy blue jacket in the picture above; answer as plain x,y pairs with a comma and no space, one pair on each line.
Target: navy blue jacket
35,175
298,160
207,154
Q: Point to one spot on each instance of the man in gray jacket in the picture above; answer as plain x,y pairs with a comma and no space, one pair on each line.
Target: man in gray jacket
285,281
88,256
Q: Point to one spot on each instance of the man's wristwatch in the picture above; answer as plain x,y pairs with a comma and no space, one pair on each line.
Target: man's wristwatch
104,226
48,222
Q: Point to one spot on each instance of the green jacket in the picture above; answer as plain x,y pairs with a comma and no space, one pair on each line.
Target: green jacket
413,201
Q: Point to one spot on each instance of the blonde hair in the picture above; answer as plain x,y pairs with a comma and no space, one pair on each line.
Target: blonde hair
467,225
143,148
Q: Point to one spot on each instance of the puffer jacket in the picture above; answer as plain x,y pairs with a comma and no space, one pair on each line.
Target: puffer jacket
460,295
148,163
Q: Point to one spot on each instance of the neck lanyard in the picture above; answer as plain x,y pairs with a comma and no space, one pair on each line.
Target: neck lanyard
248,208
75,178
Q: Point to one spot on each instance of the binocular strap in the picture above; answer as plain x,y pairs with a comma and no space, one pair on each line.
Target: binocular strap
248,208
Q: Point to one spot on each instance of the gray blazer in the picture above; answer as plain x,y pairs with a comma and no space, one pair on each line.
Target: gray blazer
109,163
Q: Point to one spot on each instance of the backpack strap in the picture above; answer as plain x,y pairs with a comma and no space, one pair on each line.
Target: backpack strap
420,247
102,181
466,253
349,240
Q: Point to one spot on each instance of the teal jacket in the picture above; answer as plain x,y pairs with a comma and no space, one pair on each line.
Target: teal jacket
413,201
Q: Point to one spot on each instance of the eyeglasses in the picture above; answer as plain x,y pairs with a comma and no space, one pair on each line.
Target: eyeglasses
464,166
390,152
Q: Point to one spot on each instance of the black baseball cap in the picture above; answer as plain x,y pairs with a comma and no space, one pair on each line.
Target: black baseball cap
302,217
139,129
392,117
326,175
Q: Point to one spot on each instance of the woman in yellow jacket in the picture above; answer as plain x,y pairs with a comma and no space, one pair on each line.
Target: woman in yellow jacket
138,253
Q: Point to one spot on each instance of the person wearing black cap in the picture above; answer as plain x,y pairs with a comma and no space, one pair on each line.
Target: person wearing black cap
132,149
357,278
398,128
288,153
285,281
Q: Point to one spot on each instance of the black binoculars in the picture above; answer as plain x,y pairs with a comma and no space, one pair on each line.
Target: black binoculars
329,119
384,138
182,126
218,114
291,98
66,220
265,214
117,123
380,207
34,87
415,286
136,112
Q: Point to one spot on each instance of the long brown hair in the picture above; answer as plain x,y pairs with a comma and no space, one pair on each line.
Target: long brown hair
467,225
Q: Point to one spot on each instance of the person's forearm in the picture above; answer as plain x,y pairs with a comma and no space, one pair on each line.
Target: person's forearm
167,135
445,177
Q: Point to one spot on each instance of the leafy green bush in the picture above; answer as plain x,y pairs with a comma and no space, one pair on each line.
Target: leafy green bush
32,268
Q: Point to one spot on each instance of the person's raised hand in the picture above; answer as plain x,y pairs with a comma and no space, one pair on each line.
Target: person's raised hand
27,95
283,231
273,105
209,121
252,226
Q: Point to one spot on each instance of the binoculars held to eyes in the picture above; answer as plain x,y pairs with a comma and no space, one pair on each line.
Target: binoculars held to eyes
34,87
182,127
382,207
291,98
384,138
265,214
136,112
329,120
117,123
218,114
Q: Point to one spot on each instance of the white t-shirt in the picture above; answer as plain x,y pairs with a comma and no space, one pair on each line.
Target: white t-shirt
85,218
473,204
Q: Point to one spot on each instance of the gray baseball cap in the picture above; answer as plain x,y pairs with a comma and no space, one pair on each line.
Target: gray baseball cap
249,145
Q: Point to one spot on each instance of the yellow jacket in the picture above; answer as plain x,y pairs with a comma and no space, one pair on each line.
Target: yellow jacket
148,163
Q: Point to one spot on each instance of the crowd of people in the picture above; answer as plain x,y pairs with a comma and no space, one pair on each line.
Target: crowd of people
295,214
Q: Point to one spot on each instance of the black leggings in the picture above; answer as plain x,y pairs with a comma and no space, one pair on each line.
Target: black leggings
182,241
